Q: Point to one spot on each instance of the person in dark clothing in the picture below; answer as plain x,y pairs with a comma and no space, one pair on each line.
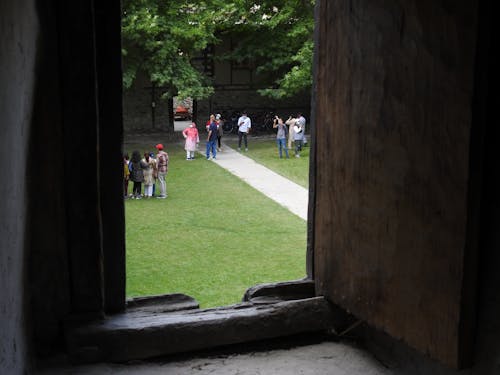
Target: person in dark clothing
136,167
212,140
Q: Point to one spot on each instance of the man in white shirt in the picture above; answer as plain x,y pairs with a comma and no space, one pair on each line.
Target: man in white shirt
302,122
244,125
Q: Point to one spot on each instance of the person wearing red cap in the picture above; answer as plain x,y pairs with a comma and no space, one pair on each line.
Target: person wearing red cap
162,163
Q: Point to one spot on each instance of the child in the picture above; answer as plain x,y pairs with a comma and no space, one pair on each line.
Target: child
126,175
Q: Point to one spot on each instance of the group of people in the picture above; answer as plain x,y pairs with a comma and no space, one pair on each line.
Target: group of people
214,128
146,171
151,168
288,132
295,133
214,135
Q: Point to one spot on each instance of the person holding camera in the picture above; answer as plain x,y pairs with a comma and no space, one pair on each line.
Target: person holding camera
298,138
290,123
281,136
302,121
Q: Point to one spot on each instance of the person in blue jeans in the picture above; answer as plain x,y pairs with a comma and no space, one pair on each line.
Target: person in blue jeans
212,140
281,136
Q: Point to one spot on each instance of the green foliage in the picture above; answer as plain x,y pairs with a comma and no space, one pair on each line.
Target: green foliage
161,38
277,38
274,36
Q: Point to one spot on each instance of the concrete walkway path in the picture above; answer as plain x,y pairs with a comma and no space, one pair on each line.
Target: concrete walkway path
280,189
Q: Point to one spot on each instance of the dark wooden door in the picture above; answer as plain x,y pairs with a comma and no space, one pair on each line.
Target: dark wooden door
394,210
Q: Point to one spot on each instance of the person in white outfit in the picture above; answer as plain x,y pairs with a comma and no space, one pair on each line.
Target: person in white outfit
302,122
244,125
291,122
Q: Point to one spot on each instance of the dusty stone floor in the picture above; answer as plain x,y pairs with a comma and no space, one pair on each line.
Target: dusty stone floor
332,358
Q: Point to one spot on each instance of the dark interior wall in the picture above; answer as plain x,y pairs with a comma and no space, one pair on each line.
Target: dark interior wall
48,275
76,218
394,211
17,68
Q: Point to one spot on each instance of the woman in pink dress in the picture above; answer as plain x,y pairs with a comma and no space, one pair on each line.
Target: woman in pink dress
192,139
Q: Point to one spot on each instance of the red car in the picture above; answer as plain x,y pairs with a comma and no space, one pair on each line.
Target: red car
181,113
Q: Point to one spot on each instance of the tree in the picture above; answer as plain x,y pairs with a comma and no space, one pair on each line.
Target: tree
276,36
162,37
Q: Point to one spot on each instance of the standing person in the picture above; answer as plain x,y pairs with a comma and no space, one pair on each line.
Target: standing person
209,121
192,138
136,167
126,175
148,172
211,140
298,137
281,136
155,171
302,120
220,123
244,125
162,163
290,122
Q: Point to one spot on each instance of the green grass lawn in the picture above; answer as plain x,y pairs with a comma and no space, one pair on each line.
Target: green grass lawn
265,151
212,238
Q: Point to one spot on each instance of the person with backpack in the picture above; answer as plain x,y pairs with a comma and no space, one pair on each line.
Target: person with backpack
162,165
298,138
136,167
302,121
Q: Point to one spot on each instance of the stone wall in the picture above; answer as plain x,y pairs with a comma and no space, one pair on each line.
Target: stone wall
17,66
144,108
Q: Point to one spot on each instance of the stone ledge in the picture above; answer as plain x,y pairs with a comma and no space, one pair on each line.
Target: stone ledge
124,337
282,291
161,304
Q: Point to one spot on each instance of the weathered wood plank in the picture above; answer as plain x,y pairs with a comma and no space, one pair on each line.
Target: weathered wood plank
125,336
109,84
80,134
282,291
162,303
393,108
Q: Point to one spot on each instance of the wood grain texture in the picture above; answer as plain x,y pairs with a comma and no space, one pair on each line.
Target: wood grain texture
133,335
80,117
393,124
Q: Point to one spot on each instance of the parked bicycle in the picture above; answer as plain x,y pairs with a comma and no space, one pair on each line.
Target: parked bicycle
230,125
262,122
